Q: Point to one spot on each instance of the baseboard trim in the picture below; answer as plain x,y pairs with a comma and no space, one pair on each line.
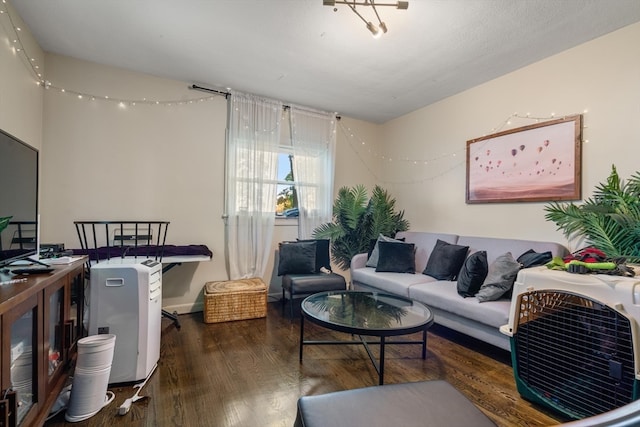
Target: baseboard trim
185,308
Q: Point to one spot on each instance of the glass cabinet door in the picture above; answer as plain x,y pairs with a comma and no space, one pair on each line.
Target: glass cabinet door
76,310
56,310
23,357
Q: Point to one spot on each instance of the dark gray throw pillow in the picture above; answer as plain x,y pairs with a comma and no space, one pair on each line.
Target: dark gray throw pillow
502,274
445,260
396,257
297,258
322,253
472,274
532,258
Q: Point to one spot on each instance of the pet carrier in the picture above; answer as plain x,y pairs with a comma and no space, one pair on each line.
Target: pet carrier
574,340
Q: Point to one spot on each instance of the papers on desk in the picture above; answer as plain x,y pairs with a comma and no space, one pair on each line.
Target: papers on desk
62,260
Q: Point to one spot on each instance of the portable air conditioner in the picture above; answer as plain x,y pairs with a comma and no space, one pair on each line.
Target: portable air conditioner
574,340
125,300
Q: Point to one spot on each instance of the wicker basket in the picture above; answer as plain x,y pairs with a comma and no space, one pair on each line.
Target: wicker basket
235,300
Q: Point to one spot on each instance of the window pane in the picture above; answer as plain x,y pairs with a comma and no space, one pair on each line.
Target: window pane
284,167
286,202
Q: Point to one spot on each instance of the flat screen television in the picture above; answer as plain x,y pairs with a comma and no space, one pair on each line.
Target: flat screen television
18,198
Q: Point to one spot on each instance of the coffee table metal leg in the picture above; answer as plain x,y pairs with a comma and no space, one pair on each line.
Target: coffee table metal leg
381,373
301,335
424,344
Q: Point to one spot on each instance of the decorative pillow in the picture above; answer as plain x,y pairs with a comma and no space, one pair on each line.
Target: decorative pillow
375,253
472,274
397,257
372,245
445,260
532,258
502,274
297,258
322,253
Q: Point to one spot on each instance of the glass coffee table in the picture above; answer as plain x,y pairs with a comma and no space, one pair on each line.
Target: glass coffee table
366,314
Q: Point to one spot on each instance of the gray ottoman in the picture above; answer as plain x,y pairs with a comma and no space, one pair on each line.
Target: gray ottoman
419,404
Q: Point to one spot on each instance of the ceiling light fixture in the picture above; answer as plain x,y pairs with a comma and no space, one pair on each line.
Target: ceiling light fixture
381,28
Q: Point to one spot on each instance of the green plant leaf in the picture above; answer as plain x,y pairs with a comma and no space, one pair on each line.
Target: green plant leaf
357,220
609,220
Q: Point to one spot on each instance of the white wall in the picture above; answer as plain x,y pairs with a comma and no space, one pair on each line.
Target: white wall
601,76
142,162
146,162
20,95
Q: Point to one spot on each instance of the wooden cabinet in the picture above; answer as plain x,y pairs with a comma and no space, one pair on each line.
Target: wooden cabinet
40,324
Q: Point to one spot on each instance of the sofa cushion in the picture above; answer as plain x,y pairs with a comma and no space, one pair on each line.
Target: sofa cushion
296,258
396,257
472,274
445,261
498,246
500,278
375,253
394,283
443,295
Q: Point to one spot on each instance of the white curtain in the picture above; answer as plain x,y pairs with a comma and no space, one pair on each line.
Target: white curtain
251,173
313,138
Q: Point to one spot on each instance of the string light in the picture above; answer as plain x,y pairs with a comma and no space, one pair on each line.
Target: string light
19,48
457,157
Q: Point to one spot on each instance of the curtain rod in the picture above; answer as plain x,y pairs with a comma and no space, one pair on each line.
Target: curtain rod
206,89
226,95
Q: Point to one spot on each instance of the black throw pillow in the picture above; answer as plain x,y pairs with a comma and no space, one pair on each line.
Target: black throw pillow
297,258
322,253
396,257
532,258
372,258
445,260
472,274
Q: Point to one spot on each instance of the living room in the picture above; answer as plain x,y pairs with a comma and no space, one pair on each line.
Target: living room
100,161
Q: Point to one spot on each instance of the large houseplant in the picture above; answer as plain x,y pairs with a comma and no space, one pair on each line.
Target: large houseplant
609,220
357,221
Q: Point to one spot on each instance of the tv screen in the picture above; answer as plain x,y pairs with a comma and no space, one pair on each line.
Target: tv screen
18,198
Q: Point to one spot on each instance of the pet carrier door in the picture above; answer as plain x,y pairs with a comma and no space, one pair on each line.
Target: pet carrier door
572,353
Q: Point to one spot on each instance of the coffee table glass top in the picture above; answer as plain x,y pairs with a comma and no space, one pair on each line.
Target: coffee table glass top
367,313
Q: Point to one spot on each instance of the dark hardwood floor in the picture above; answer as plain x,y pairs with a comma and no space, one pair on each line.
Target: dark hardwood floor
247,373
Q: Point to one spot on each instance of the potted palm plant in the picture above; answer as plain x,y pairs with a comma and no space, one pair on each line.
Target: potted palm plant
358,220
609,220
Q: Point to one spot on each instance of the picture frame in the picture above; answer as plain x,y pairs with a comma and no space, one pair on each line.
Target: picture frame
535,163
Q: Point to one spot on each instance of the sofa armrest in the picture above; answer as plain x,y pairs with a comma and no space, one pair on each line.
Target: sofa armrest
359,261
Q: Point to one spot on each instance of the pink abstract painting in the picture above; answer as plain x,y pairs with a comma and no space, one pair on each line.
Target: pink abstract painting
539,162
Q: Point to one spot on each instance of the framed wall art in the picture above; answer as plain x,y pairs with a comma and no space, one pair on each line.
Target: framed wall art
539,162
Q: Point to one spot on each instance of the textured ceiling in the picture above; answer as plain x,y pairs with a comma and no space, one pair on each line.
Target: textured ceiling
302,52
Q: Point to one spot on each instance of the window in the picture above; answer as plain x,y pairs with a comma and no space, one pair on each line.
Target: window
286,197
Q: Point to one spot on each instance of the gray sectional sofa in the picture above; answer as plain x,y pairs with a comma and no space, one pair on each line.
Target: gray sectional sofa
480,320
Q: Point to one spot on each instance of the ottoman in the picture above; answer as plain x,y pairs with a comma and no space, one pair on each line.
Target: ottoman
419,404
235,300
